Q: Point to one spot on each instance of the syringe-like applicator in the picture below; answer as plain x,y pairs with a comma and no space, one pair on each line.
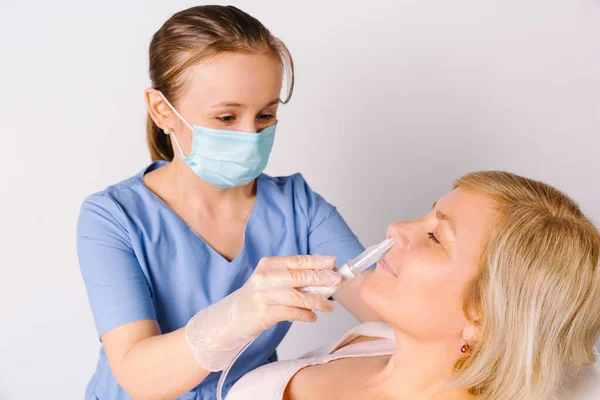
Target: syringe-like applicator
355,267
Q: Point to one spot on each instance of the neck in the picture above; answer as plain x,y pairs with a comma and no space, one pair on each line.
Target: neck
422,370
194,193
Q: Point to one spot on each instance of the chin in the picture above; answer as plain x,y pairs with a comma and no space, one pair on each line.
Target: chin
374,291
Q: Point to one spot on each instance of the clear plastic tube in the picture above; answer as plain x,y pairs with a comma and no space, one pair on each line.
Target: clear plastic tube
226,371
355,267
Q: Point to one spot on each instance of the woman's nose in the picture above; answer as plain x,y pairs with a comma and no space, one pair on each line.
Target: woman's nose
401,233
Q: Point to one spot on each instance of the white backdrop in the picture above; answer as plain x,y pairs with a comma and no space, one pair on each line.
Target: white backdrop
393,101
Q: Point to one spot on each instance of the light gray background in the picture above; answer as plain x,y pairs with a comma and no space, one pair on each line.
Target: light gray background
393,101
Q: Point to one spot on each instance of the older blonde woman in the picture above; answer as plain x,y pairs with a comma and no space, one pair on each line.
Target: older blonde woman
492,295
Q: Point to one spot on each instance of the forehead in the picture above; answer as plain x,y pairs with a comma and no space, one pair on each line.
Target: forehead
240,77
472,213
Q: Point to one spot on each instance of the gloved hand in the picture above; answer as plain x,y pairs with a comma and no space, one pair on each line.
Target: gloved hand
218,332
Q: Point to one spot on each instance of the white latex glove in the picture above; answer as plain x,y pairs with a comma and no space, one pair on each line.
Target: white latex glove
218,332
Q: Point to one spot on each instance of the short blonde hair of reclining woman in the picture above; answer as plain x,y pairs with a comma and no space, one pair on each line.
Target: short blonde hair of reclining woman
493,295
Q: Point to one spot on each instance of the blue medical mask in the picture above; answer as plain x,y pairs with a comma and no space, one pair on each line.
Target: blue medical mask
225,158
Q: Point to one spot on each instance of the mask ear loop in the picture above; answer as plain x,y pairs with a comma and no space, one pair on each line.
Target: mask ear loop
172,133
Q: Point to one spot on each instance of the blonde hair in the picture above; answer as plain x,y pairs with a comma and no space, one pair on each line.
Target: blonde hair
536,297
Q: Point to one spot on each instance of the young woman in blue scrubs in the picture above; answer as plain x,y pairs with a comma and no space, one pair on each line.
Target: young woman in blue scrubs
200,252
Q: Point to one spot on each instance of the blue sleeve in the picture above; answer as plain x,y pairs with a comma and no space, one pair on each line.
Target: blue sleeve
328,233
116,286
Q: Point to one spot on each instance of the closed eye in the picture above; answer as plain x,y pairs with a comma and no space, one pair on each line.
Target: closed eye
433,238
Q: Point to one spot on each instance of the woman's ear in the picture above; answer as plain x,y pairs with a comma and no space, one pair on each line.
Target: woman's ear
470,334
157,108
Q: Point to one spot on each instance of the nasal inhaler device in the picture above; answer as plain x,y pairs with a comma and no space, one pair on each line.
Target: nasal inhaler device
355,267
348,271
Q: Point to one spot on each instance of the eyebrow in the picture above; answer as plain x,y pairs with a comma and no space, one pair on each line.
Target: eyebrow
444,217
240,105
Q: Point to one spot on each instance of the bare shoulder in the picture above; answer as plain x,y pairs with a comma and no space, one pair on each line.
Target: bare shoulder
332,378
313,381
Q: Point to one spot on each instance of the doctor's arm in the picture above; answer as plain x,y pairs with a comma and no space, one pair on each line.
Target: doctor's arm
151,365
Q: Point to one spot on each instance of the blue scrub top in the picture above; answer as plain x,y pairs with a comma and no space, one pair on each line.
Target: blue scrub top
140,260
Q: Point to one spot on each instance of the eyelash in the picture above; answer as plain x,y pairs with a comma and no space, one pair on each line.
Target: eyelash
433,238
230,118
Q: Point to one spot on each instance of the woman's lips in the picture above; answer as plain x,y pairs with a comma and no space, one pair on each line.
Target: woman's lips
384,266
